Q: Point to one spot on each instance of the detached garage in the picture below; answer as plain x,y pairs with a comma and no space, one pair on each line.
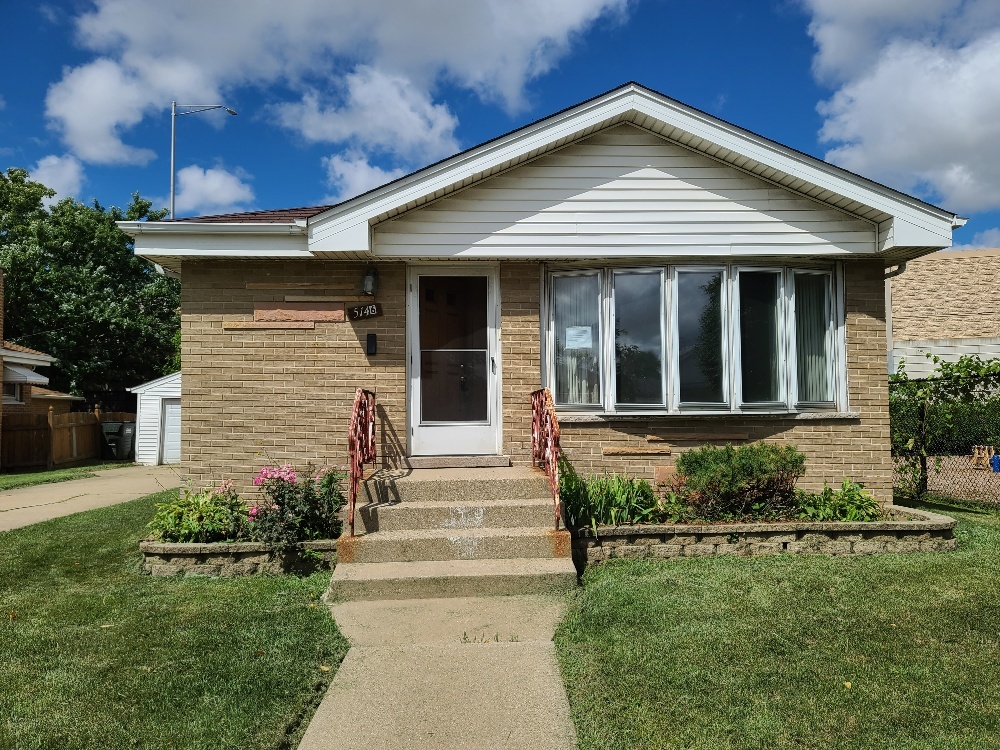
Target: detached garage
158,434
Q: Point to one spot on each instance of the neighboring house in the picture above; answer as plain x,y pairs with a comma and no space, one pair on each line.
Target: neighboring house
672,278
24,390
945,304
158,432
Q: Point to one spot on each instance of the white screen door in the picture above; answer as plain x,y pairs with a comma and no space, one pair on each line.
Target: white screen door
453,361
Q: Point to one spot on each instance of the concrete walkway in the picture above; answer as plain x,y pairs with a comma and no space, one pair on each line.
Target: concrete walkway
446,673
28,505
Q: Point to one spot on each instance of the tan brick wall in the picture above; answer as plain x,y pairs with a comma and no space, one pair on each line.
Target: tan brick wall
834,448
289,392
947,295
286,394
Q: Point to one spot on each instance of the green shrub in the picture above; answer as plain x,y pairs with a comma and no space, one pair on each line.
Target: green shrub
611,500
205,516
750,482
849,503
296,507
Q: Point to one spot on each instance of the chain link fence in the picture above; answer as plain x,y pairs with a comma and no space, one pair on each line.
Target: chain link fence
946,437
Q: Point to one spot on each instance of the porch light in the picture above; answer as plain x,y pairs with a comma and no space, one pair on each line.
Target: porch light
369,284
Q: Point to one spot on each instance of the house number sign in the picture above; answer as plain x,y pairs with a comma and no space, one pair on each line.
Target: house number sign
374,310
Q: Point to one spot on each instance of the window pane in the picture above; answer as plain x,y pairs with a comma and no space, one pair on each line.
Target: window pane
699,336
813,323
638,338
760,346
576,305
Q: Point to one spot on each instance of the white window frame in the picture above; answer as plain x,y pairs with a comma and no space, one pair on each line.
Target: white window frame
602,315
612,328
784,326
832,340
673,323
17,397
732,369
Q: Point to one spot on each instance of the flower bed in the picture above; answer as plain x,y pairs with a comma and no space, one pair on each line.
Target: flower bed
229,559
291,527
903,530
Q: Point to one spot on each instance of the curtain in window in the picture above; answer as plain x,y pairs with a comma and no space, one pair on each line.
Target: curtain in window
699,337
576,308
639,338
813,326
760,346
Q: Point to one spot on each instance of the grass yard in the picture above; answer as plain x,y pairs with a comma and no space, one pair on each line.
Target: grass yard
890,651
94,654
30,478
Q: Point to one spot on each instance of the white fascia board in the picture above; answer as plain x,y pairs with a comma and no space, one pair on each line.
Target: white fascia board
344,228
249,245
154,383
10,356
138,228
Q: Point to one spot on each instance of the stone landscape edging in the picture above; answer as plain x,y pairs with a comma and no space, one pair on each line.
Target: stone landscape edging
230,559
906,530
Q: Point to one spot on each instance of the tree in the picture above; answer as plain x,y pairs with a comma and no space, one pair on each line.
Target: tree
75,290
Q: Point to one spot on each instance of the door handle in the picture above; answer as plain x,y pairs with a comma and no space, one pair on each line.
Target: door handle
493,365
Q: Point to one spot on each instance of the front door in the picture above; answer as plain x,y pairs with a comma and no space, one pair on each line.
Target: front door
453,353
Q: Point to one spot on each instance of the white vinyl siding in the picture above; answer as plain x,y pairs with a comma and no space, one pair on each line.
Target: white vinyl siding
623,192
149,415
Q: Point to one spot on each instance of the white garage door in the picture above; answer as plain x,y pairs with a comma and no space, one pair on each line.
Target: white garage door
171,437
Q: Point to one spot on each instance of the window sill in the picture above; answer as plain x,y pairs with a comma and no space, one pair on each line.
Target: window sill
580,418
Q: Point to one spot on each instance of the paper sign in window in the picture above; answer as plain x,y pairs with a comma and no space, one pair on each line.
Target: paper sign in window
579,337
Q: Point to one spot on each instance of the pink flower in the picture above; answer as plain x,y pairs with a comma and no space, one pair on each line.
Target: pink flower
285,473
226,486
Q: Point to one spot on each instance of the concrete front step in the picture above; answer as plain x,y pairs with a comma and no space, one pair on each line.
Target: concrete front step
468,485
456,462
433,514
450,578
453,544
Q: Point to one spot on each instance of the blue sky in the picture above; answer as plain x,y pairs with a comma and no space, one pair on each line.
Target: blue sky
335,98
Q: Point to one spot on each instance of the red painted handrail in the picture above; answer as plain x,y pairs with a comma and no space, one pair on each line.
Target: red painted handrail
545,442
360,445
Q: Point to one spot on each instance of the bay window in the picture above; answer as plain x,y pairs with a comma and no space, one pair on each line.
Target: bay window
689,339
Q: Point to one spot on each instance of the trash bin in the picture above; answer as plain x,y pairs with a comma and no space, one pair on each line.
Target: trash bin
995,463
111,432
126,440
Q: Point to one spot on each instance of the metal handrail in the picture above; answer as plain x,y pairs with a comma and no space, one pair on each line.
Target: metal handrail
360,445
545,442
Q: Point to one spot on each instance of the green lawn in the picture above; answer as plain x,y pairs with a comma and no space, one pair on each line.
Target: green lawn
757,653
93,654
29,478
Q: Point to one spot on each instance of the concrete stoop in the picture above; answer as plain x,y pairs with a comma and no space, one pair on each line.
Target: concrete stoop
453,532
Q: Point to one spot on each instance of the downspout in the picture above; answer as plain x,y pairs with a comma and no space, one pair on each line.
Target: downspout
890,365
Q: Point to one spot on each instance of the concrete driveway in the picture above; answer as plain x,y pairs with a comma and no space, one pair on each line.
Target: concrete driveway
28,505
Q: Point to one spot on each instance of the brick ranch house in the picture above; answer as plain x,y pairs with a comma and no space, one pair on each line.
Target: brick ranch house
672,278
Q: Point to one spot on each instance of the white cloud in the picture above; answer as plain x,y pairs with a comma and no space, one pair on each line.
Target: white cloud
64,174
988,238
380,113
352,175
918,106
151,53
210,191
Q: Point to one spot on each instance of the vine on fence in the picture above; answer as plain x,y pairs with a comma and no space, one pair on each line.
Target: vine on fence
950,413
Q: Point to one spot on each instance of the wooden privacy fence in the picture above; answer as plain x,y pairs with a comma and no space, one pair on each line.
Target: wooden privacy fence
47,440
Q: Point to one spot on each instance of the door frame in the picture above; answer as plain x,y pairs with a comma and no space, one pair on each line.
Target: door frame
494,398
163,430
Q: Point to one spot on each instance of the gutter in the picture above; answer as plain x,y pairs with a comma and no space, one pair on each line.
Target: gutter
136,228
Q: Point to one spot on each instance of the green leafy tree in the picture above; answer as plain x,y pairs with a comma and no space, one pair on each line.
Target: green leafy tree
75,290
945,414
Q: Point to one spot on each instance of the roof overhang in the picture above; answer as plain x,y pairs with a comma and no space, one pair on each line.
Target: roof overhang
33,359
907,226
16,374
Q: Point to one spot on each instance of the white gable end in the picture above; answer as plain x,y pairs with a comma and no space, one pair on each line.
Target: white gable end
629,193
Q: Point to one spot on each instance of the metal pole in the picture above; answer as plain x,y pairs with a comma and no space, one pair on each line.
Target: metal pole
173,146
